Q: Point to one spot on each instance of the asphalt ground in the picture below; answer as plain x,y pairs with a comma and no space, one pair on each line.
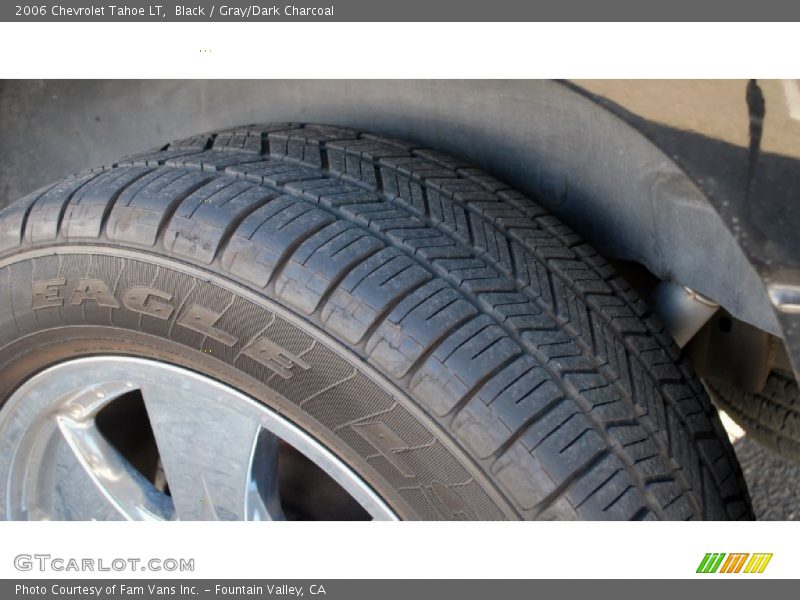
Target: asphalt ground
773,481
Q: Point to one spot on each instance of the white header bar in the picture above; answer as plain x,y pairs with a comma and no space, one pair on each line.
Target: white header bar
398,50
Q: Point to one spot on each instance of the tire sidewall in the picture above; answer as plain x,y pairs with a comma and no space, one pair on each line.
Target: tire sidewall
71,302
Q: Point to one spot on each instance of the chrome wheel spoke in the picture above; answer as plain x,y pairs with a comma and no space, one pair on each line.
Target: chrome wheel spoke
73,494
104,481
208,450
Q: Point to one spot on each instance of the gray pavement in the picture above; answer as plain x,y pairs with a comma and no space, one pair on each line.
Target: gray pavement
774,481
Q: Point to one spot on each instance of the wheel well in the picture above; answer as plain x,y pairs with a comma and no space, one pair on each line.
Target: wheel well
587,165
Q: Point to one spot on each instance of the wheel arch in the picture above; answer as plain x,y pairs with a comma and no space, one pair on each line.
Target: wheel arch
585,163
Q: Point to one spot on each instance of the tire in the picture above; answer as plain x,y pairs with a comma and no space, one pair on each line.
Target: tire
463,351
771,417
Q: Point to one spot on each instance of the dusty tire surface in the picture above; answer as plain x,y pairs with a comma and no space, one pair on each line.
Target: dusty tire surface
772,417
462,350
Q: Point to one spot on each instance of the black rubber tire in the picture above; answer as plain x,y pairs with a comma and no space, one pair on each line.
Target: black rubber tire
772,417
532,381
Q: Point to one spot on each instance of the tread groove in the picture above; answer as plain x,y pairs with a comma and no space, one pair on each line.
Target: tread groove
612,369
